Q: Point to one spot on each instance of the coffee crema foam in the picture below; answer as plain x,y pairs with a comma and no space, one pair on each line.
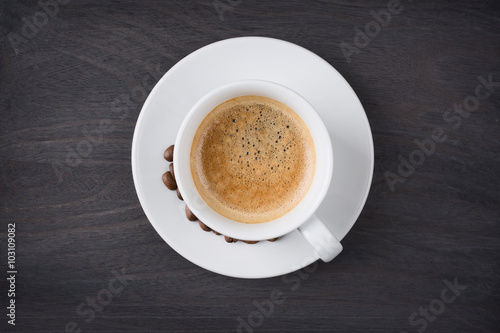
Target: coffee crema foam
252,159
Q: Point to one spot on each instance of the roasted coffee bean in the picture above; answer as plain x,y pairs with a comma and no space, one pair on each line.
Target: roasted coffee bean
190,215
179,194
171,168
273,239
230,239
169,153
250,242
217,233
204,226
169,181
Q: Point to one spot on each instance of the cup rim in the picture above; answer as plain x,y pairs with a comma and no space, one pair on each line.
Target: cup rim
287,222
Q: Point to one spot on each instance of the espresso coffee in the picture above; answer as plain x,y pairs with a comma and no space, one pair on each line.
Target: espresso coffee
252,159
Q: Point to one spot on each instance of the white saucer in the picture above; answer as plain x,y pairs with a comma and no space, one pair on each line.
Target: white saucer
251,58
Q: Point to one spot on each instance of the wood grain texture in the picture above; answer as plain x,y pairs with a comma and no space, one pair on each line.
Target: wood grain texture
85,73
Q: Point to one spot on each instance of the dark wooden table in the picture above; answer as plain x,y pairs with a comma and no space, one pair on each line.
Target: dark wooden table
423,256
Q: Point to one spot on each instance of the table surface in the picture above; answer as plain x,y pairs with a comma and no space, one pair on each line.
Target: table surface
423,255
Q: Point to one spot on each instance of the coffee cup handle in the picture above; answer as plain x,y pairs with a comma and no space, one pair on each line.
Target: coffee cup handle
326,245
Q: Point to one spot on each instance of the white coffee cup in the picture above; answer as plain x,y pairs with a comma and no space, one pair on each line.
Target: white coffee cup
302,216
